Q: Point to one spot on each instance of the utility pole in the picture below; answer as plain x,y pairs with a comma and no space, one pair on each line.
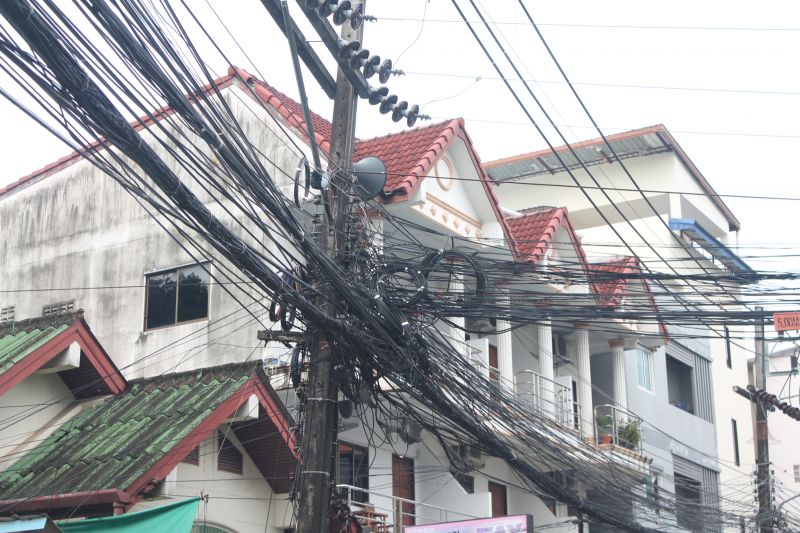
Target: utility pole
763,478
319,425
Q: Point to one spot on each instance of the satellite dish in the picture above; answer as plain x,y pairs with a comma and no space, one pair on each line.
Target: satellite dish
370,177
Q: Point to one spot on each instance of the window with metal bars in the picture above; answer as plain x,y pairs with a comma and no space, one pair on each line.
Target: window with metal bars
229,458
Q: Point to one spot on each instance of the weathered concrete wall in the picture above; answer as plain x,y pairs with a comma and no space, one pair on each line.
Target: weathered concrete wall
79,235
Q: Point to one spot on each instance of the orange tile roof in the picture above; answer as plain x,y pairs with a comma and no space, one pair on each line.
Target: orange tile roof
609,278
409,155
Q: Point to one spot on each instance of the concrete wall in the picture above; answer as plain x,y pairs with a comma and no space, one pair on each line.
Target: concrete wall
79,233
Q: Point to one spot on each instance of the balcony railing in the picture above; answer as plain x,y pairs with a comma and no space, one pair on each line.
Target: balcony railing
547,397
617,426
382,513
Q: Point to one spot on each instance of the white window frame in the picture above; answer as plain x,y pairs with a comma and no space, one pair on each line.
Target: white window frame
646,355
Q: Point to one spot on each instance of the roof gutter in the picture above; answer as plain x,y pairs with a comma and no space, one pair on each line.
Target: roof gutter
62,501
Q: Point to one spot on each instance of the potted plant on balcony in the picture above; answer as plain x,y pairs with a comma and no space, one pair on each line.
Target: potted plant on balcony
630,434
605,428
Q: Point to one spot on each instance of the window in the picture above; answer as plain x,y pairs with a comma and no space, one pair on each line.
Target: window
7,314
654,493
797,473
644,369
58,308
688,501
176,296
735,431
353,469
444,173
229,458
680,384
728,360
193,457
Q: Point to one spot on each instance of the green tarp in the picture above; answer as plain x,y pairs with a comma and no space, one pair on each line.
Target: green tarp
173,518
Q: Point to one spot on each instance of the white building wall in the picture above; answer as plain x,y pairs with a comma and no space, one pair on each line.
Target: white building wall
30,411
240,503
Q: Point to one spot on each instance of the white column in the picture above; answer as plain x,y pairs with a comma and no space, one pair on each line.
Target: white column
459,322
583,362
618,365
545,343
505,359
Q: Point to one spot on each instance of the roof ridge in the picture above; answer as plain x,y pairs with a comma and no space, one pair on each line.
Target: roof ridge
245,365
40,322
442,124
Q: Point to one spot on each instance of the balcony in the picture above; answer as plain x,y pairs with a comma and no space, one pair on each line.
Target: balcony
381,513
547,397
617,427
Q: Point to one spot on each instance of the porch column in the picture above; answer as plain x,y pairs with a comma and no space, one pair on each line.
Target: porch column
546,391
583,362
505,358
459,340
618,365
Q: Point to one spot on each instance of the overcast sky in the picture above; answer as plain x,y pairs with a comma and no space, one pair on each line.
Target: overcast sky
722,76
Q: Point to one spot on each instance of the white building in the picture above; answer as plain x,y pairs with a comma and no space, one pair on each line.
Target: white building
660,208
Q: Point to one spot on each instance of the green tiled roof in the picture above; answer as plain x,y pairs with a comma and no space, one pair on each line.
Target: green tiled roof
112,444
20,339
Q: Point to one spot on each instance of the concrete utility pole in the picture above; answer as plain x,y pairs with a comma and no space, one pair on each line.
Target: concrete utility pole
763,478
319,427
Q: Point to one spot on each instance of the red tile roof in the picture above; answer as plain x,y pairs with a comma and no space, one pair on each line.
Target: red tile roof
409,155
609,279
532,233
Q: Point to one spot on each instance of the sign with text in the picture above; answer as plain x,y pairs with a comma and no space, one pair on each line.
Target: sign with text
522,523
786,321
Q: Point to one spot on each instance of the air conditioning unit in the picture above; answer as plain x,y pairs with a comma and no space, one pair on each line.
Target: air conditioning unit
471,457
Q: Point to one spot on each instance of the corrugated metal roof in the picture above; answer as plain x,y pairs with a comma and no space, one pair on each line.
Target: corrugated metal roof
112,444
19,339
548,162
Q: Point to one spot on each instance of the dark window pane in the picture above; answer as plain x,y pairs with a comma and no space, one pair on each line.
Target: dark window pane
192,293
161,300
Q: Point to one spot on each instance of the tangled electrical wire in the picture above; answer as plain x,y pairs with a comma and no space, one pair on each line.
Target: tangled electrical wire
395,313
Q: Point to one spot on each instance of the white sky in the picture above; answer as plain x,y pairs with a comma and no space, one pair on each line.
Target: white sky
740,132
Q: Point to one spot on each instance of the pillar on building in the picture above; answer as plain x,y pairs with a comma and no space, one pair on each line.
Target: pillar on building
546,368
459,323
584,364
618,365
505,359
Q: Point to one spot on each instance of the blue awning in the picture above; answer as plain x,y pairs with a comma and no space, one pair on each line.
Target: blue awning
37,524
710,244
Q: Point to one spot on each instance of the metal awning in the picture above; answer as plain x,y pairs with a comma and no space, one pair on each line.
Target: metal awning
710,244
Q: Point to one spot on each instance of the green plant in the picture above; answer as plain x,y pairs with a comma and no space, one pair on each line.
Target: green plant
630,434
604,423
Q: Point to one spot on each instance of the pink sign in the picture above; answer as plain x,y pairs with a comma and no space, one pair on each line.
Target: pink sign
522,523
